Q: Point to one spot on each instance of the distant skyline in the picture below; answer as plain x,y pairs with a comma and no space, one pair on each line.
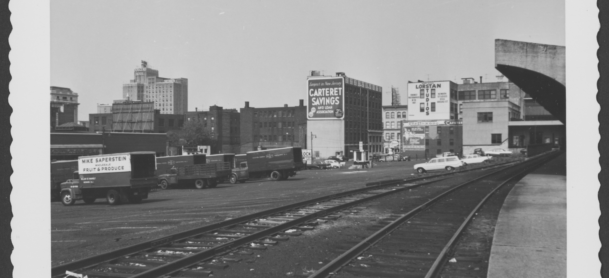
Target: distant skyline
262,51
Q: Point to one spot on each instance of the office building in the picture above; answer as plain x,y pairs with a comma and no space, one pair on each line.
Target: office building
343,115
169,95
64,106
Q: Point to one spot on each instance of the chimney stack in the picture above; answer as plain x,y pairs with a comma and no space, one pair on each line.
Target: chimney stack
196,109
247,104
480,79
301,104
285,105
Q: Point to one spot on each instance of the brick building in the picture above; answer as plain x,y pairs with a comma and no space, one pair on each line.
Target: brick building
393,116
135,117
273,127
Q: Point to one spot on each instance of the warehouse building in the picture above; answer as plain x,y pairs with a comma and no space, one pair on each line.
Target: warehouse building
393,116
343,115
222,124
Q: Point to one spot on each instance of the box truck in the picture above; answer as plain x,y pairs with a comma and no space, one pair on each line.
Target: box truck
190,170
276,164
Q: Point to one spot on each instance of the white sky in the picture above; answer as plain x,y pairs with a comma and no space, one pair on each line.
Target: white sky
262,51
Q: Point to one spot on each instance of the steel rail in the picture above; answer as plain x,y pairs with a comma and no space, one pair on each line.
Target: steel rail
370,241
437,263
137,248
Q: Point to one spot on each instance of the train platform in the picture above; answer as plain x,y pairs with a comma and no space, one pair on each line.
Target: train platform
531,232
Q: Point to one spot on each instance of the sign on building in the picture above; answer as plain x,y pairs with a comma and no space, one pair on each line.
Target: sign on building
326,98
414,138
429,100
306,156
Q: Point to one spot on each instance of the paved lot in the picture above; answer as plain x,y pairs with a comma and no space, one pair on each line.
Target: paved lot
81,230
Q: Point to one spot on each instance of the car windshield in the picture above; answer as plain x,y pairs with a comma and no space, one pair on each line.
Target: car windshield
432,161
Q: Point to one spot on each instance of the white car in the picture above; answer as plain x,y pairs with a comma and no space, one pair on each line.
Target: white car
448,163
498,152
474,158
334,163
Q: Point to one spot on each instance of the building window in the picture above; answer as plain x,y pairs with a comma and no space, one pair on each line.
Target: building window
451,141
467,95
422,107
496,138
487,94
387,114
433,93
439,142
453,94
485,117
422,93
433,107
399,115
451,130
96,120
439,130
504,94
393,115
387,136
404,114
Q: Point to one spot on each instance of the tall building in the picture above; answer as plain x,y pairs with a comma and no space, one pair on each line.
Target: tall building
395,96
64,106
135,117
273,127
169,95
344,115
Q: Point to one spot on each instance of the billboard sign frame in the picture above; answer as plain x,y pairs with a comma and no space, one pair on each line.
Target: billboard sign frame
323,93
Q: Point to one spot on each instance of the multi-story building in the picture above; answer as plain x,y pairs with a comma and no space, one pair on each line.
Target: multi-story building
273,127
344,115
393,116
169,95
64,106
135,117
104,108
223,125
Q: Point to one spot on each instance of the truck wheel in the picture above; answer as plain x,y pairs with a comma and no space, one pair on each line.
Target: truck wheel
200,184
163,184
275,175
113,197
89,200
421,170
233,179
66,198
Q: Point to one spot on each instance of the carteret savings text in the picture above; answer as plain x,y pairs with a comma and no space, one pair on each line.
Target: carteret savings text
325,96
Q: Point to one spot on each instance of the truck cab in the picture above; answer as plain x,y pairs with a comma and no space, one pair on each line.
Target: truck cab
239,173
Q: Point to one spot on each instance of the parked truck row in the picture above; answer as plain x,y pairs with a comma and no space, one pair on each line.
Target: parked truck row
129,177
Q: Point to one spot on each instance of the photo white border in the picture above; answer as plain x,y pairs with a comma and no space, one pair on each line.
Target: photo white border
30,65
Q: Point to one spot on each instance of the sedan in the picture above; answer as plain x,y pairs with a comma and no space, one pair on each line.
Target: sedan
474,158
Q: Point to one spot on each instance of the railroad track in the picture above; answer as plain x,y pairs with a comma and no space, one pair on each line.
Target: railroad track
197,252
416,243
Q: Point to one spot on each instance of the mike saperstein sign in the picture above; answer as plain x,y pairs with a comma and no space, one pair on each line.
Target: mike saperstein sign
104,164
326,98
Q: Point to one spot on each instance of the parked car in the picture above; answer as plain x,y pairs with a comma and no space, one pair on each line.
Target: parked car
479,151
448,163
498,152
474,158
334,164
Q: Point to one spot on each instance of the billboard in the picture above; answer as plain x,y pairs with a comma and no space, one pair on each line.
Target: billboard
326,98
429,100
414,138
104,164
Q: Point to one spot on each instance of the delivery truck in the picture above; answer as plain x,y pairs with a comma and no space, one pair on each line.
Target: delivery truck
119,178
222,160
61,171
190,170
276,164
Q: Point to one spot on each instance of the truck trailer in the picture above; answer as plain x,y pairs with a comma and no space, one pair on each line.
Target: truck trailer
118,177
61,171
190,170
276,164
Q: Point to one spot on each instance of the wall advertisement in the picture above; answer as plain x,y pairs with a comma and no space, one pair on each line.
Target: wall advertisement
104,164
429,100
415,132
326,98
306,156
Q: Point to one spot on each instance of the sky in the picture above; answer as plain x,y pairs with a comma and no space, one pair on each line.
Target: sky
263,51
